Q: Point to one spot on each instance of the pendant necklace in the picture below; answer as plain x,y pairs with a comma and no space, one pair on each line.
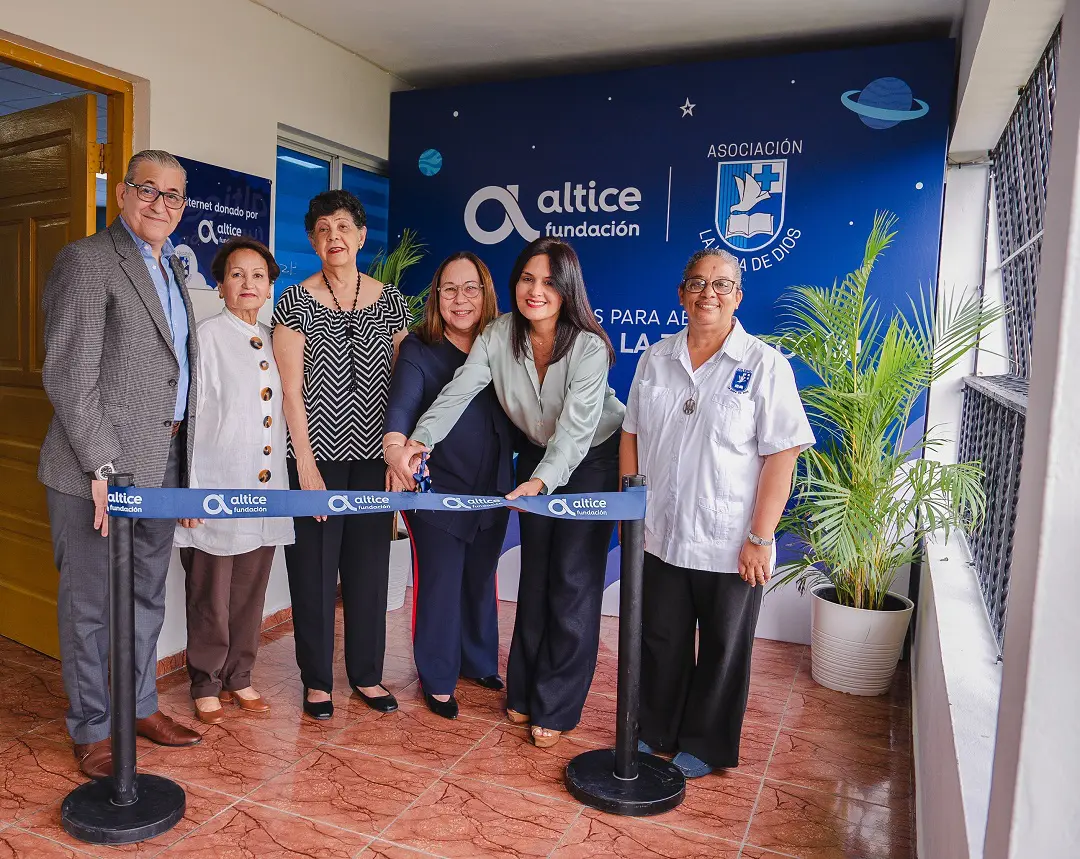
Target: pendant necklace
348,323
690,406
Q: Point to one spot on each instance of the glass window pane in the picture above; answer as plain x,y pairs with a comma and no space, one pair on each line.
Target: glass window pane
299,178
373,191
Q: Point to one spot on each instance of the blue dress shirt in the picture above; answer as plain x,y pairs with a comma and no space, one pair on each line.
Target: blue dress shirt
172,302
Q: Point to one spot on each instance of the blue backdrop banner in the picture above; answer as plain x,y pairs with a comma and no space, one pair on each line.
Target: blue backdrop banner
781,160
222,204
253,503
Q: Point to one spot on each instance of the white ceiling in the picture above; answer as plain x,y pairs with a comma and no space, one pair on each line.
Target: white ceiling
426,43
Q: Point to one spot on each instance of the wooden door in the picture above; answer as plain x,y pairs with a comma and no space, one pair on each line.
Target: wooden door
48,161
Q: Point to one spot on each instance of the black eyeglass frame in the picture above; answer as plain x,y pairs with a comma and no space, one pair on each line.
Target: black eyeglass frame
157,192
732,285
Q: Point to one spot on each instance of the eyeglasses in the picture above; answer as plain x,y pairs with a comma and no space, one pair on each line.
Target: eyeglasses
721,286
470,289
148,194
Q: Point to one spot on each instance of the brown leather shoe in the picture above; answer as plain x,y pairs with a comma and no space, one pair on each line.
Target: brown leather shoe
211,717
159,728
252,705
95,759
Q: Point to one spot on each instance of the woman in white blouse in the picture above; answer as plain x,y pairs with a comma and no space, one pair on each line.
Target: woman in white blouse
239,444
715,423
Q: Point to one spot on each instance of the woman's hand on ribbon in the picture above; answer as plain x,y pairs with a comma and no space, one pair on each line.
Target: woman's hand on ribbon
404,460
190,523
530,487
310,478
395,485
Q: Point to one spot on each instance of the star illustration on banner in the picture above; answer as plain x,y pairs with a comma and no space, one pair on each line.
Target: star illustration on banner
687,108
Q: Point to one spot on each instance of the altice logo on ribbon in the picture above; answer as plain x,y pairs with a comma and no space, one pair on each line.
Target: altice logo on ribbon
595,507
217,504
452,502
358,503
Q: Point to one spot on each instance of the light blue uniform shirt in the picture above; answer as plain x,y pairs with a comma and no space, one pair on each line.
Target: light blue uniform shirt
172,302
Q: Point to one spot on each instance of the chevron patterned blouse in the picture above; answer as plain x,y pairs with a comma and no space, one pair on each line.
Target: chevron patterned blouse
348,357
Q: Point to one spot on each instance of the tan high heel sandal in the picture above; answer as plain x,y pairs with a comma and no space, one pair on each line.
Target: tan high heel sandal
544,738
516,718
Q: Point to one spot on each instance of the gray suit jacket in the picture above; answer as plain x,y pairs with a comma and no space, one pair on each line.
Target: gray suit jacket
109,369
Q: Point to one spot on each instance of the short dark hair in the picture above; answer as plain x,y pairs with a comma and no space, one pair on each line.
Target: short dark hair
329,202
575,315
242,243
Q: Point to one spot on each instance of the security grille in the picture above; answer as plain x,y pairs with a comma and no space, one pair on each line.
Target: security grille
995,407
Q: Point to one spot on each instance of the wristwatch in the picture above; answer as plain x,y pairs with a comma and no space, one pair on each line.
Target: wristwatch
760,541
104,472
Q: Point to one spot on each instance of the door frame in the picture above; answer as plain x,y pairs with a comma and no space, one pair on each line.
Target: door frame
121,104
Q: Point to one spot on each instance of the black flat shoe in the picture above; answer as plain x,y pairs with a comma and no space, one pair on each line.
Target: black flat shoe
492,681
383,703
318,709
446,709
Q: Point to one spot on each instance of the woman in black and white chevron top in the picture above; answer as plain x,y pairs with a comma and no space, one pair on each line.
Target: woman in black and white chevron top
336,334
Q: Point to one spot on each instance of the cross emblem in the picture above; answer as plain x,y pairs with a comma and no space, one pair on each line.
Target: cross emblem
766,177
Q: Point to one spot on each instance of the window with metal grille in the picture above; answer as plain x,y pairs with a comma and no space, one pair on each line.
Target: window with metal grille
992,427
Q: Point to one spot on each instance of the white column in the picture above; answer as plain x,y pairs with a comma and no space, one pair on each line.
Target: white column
1035,797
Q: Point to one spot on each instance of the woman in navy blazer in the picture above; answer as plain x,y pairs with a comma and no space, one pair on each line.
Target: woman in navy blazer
455,554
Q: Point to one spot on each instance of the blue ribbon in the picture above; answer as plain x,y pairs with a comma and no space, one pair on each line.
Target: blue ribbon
137,503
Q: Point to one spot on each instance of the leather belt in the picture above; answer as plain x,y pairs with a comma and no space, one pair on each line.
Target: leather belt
175,428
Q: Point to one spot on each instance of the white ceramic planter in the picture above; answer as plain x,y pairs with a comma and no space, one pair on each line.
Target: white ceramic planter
400,573
855,650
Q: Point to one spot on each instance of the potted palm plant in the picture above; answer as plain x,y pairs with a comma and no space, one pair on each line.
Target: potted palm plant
390,267
866,495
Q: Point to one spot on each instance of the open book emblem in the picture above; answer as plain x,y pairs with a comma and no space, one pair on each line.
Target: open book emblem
750,198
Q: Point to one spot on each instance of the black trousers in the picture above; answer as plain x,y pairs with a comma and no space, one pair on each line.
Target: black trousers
557,631
357,548
695,706
456,612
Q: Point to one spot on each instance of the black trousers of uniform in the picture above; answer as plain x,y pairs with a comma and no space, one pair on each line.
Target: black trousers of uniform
456,612
557,630
689,705
358,548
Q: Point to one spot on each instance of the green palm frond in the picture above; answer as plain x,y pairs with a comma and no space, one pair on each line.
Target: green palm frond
390,267
862,499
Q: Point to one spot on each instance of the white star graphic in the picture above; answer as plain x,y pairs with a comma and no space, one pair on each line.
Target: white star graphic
687,108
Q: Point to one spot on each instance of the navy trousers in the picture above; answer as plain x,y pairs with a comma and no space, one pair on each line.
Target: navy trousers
456,620
563,565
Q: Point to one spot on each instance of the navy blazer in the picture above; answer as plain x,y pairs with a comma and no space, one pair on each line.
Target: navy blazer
476,457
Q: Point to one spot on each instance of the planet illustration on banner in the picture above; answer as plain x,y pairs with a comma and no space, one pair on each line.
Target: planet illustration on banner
430,162
884,102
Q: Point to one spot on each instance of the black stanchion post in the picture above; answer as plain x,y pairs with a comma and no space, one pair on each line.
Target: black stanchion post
631,570
128,807
623,780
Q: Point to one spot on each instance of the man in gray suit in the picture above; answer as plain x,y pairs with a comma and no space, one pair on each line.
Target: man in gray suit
120,359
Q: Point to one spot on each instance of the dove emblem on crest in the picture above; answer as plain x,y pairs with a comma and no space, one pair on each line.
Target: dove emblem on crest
750,193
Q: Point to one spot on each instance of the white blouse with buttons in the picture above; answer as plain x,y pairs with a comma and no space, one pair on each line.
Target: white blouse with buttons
239,433
702,436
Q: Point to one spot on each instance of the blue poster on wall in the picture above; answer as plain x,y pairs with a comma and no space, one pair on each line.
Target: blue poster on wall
781,160
221,205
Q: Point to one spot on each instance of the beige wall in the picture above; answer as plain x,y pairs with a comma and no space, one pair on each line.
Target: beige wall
221,74
214,78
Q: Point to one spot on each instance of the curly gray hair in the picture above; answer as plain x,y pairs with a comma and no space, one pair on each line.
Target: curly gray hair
729,258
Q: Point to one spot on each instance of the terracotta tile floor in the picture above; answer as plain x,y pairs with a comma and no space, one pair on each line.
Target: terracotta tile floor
823,775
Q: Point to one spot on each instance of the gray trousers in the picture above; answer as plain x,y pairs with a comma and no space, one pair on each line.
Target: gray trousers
82,557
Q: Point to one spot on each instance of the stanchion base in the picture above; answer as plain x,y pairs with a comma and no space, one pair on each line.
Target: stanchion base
88,812
659,786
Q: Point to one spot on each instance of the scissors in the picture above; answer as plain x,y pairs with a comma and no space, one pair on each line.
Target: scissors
423,476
